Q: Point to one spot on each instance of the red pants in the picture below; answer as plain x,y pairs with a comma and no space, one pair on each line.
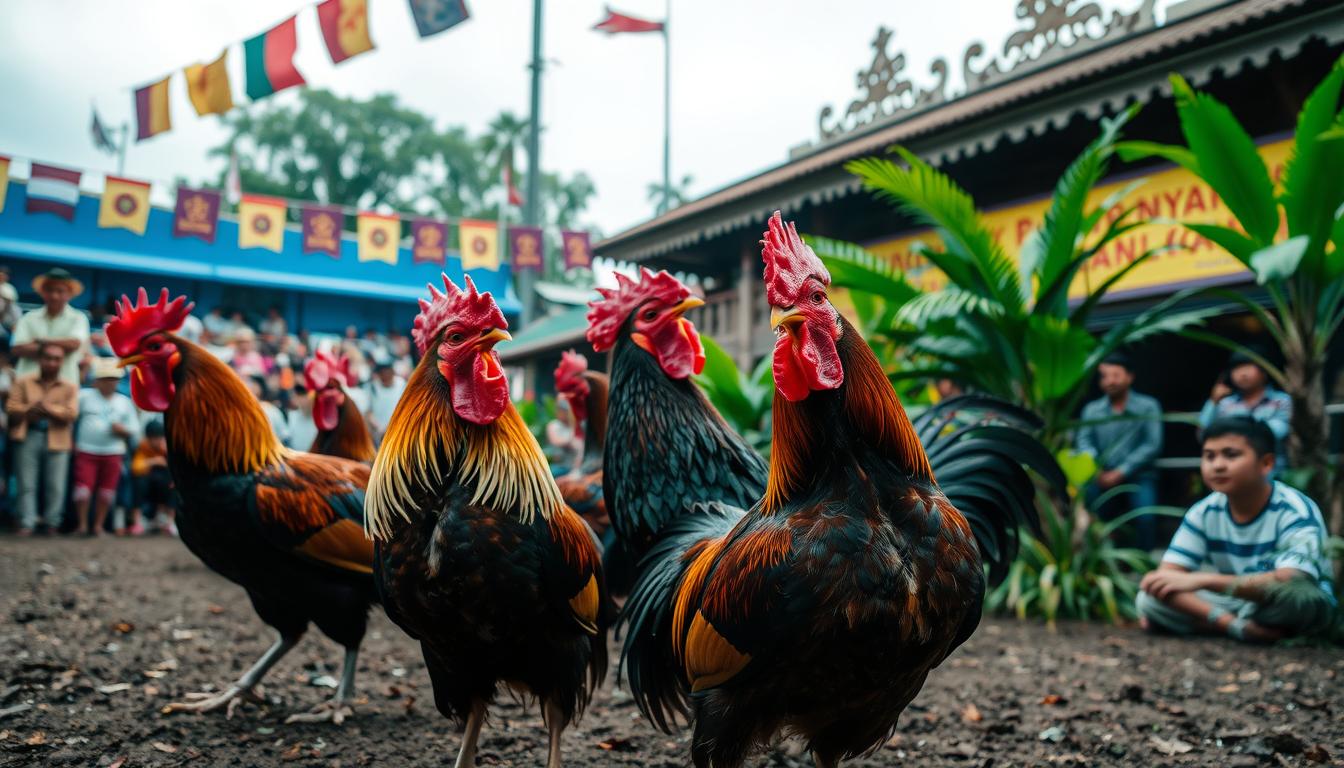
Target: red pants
96,472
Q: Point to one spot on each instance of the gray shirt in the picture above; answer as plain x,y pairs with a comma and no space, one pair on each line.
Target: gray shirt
1128,441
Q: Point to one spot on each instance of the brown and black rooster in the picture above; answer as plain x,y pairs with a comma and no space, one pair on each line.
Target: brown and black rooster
284,525
341,430
667,447
820,611
585,392
477,556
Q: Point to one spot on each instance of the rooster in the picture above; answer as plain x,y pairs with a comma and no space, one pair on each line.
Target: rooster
821,610
341,430
585,392
476,554
284,525
667,446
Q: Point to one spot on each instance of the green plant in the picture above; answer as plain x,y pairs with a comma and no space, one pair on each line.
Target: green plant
1076,570
1002,328
743,399
1290,236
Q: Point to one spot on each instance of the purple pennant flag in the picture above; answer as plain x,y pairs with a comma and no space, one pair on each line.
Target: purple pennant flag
322,230
196,214
429,239
578,252
526,248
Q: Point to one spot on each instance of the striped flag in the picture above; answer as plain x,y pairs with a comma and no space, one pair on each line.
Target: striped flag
4,180
270,61
125,205
151,110
53,190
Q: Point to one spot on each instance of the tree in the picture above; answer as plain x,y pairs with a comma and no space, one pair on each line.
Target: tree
665,200
1290,236
999,327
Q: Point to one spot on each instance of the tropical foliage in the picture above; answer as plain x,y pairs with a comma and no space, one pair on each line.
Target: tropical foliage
742,398
1000,327
1289,234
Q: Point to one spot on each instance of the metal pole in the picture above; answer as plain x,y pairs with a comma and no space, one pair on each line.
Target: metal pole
667,114
121,151
524,279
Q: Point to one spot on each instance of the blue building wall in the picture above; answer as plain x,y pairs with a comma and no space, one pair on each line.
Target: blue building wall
315,291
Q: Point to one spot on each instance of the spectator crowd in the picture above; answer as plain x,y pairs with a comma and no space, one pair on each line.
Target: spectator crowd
81,458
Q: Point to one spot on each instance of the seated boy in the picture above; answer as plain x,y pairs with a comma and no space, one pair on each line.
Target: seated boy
1256,534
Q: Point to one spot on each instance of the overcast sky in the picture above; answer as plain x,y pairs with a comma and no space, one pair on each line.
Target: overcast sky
748,78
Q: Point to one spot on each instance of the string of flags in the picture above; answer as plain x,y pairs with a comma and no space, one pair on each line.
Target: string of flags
125,204
268,59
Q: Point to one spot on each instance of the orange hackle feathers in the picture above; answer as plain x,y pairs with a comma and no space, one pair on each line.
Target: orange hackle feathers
135,321
323,367
214,421
608,314
788,262
467,306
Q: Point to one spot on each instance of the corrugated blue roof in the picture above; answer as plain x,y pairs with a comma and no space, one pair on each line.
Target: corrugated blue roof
45,237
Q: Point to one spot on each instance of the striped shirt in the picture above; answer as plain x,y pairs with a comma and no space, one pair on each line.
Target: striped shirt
1288,533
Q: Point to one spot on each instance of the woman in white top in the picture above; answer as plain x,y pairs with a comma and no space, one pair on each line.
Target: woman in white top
107,425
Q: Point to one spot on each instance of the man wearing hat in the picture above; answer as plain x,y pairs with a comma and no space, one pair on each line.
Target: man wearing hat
42,408
1245,390
56,322
107,424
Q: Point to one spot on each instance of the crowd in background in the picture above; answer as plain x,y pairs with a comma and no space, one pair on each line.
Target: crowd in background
80,457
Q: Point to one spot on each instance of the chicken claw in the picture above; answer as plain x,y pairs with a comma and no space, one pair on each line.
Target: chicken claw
333,711
208,702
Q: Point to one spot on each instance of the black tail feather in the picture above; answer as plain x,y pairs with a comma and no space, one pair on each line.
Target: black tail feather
981,449
648,660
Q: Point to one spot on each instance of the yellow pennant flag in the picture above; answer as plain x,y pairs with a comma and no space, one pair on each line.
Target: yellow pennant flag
261,223
208,85
479,243
125,205
4,180
377,236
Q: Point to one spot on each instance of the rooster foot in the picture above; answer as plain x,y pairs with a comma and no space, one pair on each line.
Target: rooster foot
333,711
208,702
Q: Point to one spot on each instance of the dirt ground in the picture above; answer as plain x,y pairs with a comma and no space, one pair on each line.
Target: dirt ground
96,636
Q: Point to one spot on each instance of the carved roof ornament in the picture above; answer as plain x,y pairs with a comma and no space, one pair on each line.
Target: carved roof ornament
1055,30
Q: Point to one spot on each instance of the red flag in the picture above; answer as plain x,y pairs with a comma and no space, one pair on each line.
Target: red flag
616,23
515,197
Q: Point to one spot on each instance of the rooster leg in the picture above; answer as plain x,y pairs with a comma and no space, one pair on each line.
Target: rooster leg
466,758
338,707
555,723
243,689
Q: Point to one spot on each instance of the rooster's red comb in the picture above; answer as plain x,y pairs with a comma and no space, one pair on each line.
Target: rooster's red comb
477,310
788,262
318,372
136,321
569,373
607,315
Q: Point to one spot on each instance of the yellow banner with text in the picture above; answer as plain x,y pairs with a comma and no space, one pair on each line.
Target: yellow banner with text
1168,194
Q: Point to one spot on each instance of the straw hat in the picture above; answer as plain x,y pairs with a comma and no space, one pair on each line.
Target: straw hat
56,273
107,368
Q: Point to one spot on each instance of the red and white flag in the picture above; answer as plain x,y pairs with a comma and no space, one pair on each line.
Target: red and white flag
233,182
53,190
616,23
515,197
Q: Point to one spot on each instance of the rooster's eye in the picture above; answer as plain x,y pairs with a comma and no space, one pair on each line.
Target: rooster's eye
650,314
818,297
455,338
154,346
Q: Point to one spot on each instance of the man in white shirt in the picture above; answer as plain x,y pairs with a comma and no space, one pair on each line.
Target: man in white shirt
107,423
384,391
56,322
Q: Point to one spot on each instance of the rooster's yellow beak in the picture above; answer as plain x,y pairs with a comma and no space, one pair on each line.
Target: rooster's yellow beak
691,302
785,317
495,336
132,360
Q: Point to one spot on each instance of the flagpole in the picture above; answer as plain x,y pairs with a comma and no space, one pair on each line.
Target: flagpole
121,150
667,112
524,279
